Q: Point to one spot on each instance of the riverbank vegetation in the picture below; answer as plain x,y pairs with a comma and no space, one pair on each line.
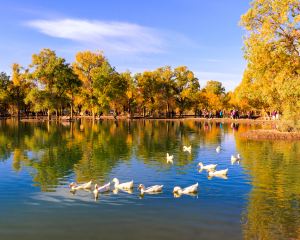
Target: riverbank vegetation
92,86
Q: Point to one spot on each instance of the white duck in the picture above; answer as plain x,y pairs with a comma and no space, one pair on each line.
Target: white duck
235,158
150,190
123,186
218,173
187,149
74,186
187,190
218,149
209,167
101,189
170,158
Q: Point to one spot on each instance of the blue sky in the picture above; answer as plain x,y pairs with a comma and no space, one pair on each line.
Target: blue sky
134,35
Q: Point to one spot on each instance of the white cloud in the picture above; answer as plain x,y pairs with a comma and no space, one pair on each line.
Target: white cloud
108,36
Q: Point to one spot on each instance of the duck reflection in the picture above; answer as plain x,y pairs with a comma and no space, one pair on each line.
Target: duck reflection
217,176
117,190
178,195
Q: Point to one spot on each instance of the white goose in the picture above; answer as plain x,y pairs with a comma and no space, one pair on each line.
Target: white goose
101,189
209,167
170,158
218,173
150,190
74,186
218,149
187,190
187,149
123,186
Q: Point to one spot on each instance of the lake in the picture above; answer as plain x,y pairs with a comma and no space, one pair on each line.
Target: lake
260,199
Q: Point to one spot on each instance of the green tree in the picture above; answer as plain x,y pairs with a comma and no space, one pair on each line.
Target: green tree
47,72
118,91
67,85
148,88
109,87
166,88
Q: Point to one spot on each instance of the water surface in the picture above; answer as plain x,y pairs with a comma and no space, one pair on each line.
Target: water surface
259,200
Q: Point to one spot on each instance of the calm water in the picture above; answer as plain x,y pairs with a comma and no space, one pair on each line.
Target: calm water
259,200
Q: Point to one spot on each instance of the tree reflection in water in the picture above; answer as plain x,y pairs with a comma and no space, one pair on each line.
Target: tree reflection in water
274,202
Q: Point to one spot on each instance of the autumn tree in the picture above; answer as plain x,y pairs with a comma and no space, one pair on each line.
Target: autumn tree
90,67
214,94
272,47
214,87
186,85
131,92
19,88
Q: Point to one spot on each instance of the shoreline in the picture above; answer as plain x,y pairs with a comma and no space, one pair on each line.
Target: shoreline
200,119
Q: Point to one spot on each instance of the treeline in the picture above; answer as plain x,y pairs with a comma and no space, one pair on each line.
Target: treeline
91,86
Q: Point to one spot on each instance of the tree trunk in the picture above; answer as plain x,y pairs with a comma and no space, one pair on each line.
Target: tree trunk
129,109
49,117
71,111
18,113
72,100
168,110
93,114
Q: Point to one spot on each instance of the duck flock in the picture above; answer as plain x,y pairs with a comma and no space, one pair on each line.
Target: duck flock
156,189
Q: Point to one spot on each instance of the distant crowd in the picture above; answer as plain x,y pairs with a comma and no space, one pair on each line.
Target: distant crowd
234,114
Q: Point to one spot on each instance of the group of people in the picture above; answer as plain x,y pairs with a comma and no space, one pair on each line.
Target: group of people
275,115
234,114
211,114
